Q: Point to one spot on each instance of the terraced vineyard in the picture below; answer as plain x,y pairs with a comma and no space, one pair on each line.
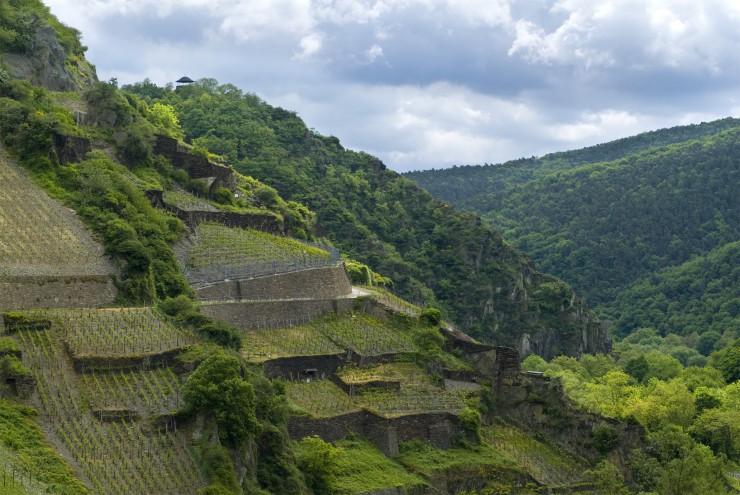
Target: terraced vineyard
188,202
119,332
220,245
152,392
320,398
304,340
546,464
38,236
408,373
218,252
417,395
122,455
329,335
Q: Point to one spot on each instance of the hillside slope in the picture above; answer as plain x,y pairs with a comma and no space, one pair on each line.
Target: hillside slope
603,226
434,254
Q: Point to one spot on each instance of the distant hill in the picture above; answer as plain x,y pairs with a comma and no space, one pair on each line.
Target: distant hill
607,217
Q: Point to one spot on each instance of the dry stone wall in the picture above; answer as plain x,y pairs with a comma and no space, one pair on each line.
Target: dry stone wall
440,429
50,292
198,167
250,315
317,283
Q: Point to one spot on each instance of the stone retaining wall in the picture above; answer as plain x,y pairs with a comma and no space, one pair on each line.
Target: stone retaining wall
52,292
249,315
439,429
316,283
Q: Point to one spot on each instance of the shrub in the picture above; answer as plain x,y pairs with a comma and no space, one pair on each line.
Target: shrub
223,195
431,317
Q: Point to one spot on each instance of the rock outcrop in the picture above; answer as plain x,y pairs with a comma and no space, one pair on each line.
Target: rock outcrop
46,64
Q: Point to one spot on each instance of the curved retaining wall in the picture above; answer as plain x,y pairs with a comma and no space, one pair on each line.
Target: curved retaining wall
52,292
316,283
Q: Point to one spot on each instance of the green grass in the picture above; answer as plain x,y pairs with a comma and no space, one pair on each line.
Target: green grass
361,468
420,457
24,452
188,202
408,373
39,236
217,244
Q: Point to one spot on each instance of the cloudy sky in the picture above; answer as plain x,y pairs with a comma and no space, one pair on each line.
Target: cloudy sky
433,83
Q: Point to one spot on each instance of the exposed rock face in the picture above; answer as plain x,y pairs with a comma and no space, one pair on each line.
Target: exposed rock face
45,64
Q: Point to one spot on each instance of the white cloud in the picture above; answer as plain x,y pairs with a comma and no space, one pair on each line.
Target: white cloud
309,45
267,18
374,53
595,125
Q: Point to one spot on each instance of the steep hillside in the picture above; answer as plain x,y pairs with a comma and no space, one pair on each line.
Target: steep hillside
35,46
606,225
701,297
434,254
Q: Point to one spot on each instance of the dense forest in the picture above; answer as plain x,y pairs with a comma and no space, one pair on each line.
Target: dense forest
433,254
643,227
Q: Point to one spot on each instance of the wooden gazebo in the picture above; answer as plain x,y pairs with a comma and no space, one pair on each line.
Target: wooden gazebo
184,81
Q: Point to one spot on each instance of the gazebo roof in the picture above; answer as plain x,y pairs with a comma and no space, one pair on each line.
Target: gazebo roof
184,80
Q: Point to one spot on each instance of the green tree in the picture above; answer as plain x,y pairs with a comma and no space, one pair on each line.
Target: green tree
217,389
164,118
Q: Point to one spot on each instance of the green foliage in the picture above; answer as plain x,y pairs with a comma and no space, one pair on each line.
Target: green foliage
720,430
11,366
318,462
21,434
607,478
216,388
605,438
223,195
727,361
163,117
471,422
360,467
219,469
646,227
276,471
431,317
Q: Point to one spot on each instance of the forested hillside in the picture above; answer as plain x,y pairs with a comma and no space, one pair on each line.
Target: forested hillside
434,254
620,231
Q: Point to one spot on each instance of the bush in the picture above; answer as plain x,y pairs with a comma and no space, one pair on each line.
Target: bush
317,460
223,195
266,195
605,438
431,317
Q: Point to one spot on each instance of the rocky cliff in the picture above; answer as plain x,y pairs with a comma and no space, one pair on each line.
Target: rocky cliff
45,62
